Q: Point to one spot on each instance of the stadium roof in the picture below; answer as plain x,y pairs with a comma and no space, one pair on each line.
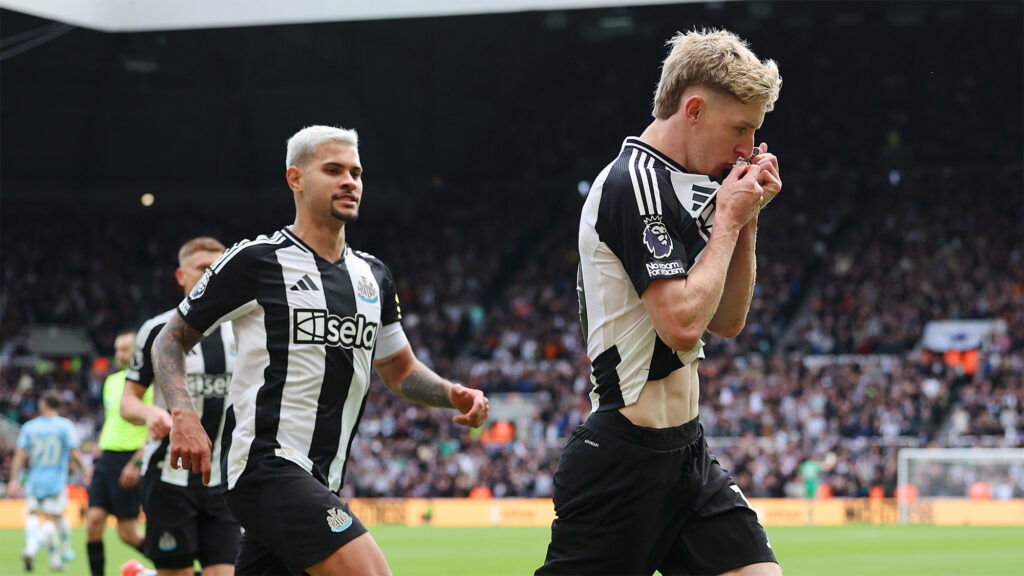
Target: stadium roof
137,16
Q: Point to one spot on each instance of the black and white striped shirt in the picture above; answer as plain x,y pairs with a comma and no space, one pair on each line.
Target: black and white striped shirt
208,368
645,218
307,331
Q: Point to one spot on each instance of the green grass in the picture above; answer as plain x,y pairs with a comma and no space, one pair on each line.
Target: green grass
832,551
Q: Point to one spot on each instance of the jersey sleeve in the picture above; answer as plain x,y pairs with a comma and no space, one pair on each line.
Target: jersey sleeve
226,291
23,438
633,222
140,369
71,436
391,337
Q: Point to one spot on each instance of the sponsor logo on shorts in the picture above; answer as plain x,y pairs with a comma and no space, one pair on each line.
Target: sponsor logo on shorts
167,542
338,520
670,268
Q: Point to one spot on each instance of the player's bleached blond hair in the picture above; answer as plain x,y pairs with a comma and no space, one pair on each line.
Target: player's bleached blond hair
199,244
717,59
302,145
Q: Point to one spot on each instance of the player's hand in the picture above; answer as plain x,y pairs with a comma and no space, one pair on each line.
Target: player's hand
14,488
190,446
158,422
740,196
130,476
769,179
472,403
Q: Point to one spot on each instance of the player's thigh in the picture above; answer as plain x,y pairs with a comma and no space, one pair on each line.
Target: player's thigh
760,569
186,571
55,505
218,570
291,513
360,556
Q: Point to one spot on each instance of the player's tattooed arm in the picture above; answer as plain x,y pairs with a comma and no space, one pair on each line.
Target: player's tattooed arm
169,349
189,445
424,387
412,380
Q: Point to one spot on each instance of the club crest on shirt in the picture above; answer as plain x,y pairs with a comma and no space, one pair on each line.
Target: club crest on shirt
656,237
338,520
366,290
200,288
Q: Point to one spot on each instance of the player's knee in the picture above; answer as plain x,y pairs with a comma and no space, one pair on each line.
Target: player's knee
94,520
128,532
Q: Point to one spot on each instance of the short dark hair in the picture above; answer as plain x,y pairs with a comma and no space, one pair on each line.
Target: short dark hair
51,399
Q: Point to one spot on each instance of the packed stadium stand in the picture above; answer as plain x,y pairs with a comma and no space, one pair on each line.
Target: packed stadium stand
901,150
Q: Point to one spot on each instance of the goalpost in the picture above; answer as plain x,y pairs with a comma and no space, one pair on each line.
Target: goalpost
981,473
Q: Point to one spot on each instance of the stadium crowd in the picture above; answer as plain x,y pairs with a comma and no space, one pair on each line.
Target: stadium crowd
860,251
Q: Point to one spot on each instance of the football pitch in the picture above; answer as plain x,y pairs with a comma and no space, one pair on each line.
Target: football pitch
802,551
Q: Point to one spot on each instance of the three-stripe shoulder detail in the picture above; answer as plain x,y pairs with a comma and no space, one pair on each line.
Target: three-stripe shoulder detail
242,245
645,182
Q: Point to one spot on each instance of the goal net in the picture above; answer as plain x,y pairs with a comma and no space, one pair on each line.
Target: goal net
926,474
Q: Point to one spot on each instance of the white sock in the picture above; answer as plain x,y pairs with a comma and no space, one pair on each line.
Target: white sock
64,532
47,535
31,535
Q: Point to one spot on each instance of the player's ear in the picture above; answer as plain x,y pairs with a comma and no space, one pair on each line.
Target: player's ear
179,275
294,178
692,107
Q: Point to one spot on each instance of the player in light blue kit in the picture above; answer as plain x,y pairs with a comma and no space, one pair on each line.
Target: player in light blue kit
47,443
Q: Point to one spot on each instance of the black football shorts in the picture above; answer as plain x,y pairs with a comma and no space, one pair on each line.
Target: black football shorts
292,520
632,500
186,523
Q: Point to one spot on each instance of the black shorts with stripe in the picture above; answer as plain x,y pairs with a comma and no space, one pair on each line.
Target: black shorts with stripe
632,500
187,523
292,520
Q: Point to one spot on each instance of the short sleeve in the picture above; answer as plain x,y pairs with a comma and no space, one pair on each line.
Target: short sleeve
223,292
390,307
140,369
391,337
72,436
23,438
633,220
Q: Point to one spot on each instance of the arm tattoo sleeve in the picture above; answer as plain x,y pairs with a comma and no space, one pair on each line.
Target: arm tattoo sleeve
169,350
425,387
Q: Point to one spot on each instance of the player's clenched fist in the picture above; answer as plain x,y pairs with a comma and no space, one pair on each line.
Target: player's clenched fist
190,446
768,178
740,196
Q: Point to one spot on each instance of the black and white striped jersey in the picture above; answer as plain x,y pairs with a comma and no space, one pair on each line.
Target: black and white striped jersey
307,331
208,368
645,218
